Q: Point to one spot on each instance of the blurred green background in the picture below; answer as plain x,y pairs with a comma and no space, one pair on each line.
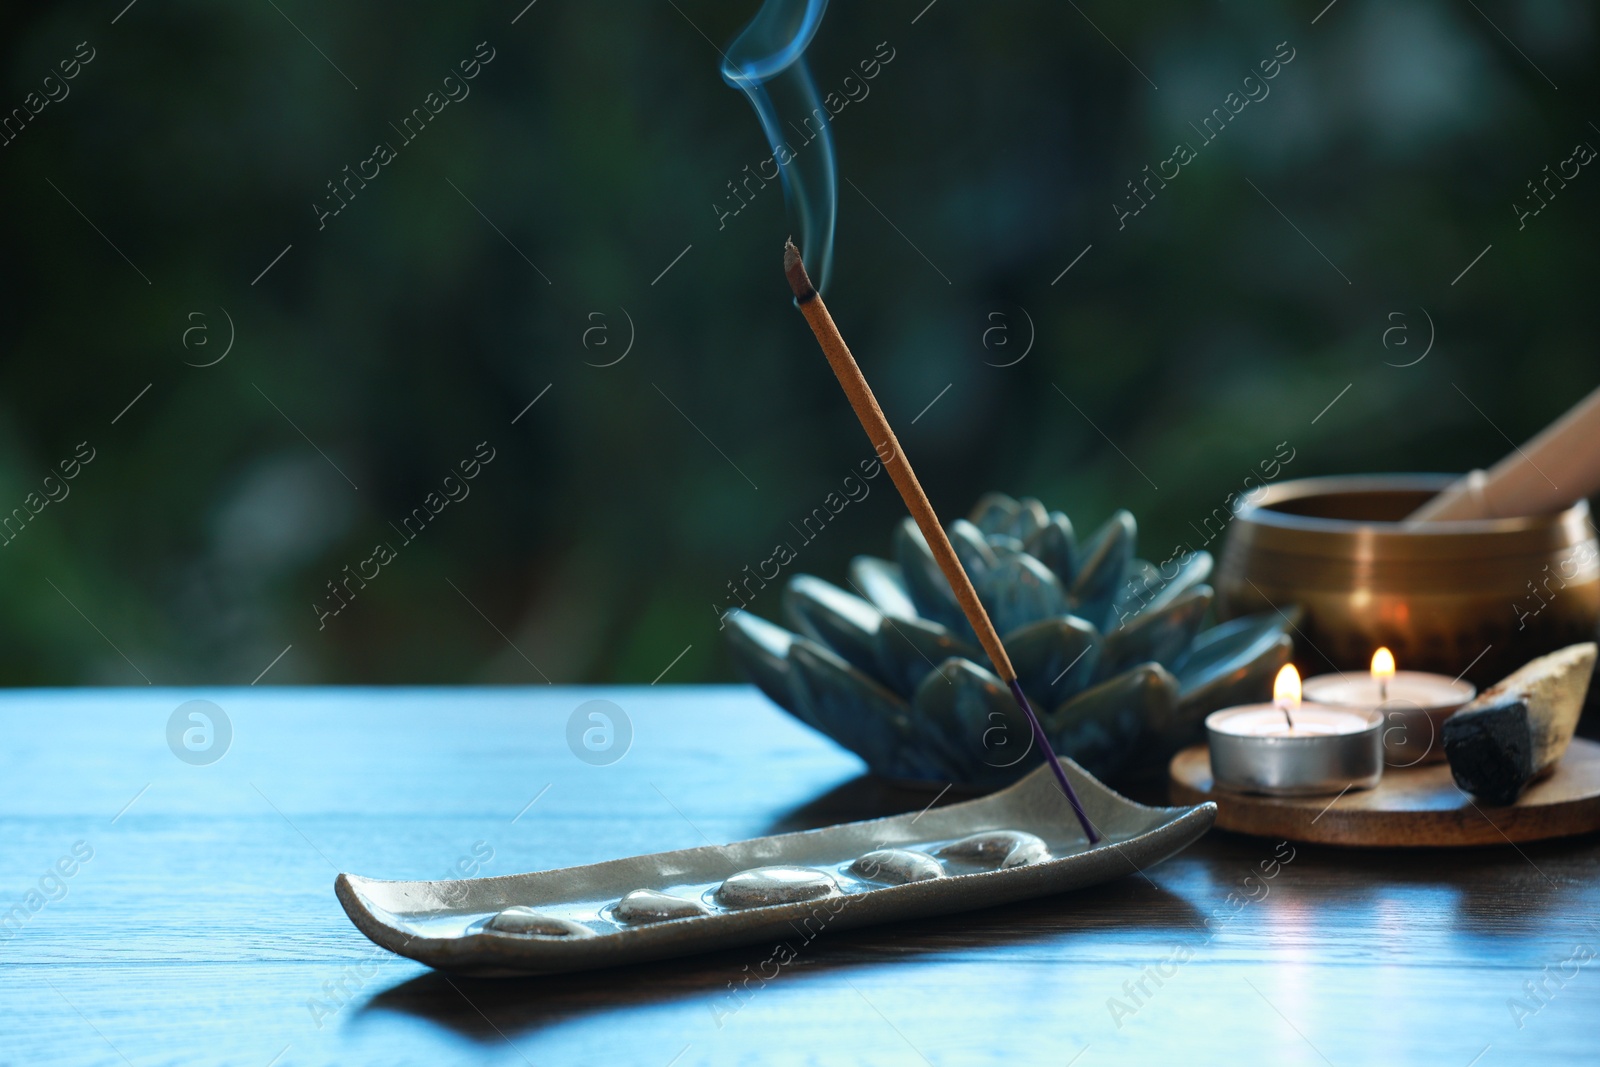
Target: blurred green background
593,148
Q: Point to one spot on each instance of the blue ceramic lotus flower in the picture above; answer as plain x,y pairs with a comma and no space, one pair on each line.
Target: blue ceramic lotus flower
1109,648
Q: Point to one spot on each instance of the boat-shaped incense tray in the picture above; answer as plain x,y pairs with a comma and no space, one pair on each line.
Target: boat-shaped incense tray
1018,843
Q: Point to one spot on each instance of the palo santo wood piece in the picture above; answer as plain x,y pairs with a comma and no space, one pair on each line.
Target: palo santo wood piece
1520,726
888,448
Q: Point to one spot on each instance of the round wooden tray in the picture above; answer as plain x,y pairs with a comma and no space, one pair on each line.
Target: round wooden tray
1411,807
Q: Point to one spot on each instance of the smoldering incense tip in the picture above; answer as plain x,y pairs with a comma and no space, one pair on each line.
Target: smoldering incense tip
795,271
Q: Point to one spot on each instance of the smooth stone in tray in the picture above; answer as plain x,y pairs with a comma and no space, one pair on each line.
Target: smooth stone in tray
896,866
764,886
649,906
997,849
526,922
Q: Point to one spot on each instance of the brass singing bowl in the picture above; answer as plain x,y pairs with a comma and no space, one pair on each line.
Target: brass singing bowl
1481,597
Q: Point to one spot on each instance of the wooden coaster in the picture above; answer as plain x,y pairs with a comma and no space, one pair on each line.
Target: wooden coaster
1411,807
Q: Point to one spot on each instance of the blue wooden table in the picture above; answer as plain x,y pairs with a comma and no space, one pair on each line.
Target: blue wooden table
166,897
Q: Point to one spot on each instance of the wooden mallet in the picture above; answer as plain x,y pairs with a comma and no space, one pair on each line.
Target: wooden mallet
1557,467
899,468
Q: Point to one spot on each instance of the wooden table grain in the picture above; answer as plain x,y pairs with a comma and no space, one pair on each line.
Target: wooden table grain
198,923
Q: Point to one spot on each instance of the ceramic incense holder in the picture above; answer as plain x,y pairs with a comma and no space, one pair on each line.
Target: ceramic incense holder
1019,843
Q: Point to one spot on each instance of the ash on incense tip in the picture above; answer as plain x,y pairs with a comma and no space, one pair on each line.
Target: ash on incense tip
795,271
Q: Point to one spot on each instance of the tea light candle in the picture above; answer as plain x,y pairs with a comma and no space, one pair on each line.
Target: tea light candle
1289,748
1414,705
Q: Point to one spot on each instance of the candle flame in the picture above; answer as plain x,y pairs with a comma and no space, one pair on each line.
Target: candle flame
1286,688
1383,664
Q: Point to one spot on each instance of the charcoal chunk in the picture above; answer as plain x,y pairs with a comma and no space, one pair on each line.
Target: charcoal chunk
1491,749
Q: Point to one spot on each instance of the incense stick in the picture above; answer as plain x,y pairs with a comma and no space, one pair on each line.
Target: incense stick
899,468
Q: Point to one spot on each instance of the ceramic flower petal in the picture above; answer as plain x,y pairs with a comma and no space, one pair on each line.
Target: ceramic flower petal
761,650
1148,588
977,557
847,705
1234,663
1156,636
1055,658
1192,569
1214,649
909,650
1020,590
834,619
1102,565
1030,519
1004,544
1056,547
994,512
1109,726
882,583
976,713
1138,586
926,582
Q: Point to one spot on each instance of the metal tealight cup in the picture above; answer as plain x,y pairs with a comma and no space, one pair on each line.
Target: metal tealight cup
1295,766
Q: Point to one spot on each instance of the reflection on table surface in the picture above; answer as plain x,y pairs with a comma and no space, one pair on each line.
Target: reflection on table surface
202,927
